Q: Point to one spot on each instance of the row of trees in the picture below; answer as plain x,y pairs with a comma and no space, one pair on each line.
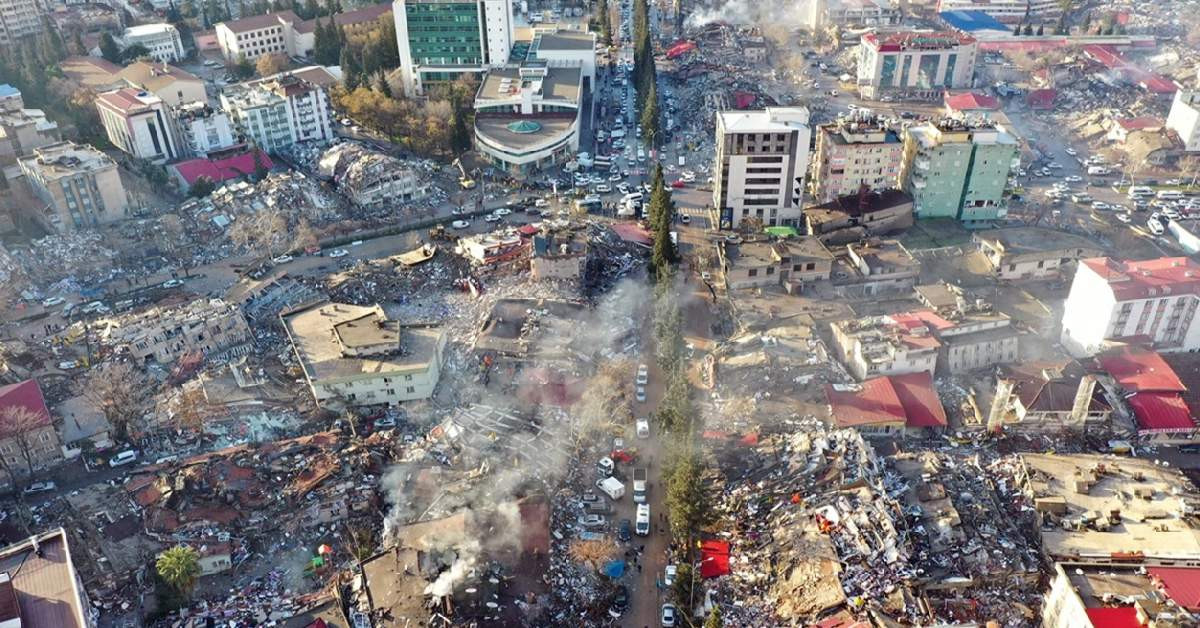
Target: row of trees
645,74
437,126
602,22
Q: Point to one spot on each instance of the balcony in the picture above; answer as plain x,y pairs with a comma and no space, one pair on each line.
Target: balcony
921,164
919,183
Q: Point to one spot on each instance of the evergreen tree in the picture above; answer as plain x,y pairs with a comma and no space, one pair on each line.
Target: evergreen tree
1017,30
714,619
260,167
109,49
1041,30
351,71
650,117
311,9
54,42
1087,23
384,87
77,42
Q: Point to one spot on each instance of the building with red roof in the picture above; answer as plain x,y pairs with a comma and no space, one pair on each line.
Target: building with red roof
139,123
28,440
1153,390
894,404
969,102
1112,300
939,61
218,170
1121,596
1122,127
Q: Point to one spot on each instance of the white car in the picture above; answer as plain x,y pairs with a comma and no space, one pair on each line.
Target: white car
1072,152
1155,227
613,178
53,301
282,259
603,188
1074,178
93,307
172,283
641,394
123,458
339,253
460,224
643,374
40,487
1101,205
491,218
502,211
688,176
668,615
591,521
669,575
541,202
1125,218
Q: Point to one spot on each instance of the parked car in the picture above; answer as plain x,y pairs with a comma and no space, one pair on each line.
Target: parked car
625,531
643,374
668,615
590,521
40,487
460,224
669,575
491,218
53,301
123,458
641,394
282,259
172,283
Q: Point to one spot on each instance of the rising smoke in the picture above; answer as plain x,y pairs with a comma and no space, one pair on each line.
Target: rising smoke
790,14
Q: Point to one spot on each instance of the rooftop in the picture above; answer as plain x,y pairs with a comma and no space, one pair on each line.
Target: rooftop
563,40
46,584
259,22
1033,241
1140,370
955,130
143,30
857,205
220,169
769,120
92,72
908,398
8,91
915,40
318,332
62,159
154,76
971,101
129,100
27,395
760,253
1114,508
883,255
860,127
1147,278
558,84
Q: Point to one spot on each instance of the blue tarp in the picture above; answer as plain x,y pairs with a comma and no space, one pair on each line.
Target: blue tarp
972,21
615,569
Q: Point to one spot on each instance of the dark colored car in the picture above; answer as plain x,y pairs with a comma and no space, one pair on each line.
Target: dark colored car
625,532
620,602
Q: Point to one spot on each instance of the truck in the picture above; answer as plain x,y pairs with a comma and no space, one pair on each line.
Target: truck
612,487
639,486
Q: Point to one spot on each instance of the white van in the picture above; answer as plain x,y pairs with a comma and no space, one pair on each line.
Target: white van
1139,190
642,525
123,458
635,197
643,428
1168,195
1097,170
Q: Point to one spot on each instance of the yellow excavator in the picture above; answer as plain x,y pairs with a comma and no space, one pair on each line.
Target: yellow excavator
465,182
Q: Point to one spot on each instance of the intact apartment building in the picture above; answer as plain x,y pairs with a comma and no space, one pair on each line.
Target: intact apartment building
140,124
824,13
355,356
40,440
852,152
761,162
440,40
20,19
173,85
1154,299
790,263
162,40
279,111
958,169
253,37
202,129
1184,118
1008,11
78,184
209,327
915,64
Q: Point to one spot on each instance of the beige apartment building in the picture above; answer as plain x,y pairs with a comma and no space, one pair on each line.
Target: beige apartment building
79,186
854,152
211,327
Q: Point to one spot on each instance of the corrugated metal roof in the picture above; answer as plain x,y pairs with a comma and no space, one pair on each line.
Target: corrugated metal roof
1138,369
1182,584
1161,411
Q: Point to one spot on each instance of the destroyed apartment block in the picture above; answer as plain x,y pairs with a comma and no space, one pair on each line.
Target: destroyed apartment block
558,255
1046,397
1033,252
851,218
356,356
1106,510
263,299
874,266
791,263
528,328
971,336
1085,594
213,328
494,250
368,177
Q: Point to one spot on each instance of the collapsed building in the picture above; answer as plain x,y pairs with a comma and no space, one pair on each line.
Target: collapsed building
369,177
212,328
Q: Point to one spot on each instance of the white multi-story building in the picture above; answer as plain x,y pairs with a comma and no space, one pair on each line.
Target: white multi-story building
527,117
440,40
915,64
252,37
762,157
1008,11
279,111
1152,299
821,13
1184,118
20,19
202,129
139,123
354,355
162,40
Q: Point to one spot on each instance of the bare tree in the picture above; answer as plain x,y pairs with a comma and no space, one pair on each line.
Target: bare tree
304,236
121,392
262,233
594,553
191,409
20,429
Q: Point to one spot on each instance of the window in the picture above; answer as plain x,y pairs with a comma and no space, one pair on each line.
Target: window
391,391
410,390
770,270
753,272
408,378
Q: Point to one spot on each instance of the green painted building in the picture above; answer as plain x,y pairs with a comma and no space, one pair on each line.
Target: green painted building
440,40
958,169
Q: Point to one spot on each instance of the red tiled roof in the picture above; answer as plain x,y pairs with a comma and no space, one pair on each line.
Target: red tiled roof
909,398
1147,278
917,40
1138,369
919,400
906,322
631,232
124,100
1041,98
1108,56
1140,123
1182,584
359,16
26,394
1161,411
221,169
970,101
1123,617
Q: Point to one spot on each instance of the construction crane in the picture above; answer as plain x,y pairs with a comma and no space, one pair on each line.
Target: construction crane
467,183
